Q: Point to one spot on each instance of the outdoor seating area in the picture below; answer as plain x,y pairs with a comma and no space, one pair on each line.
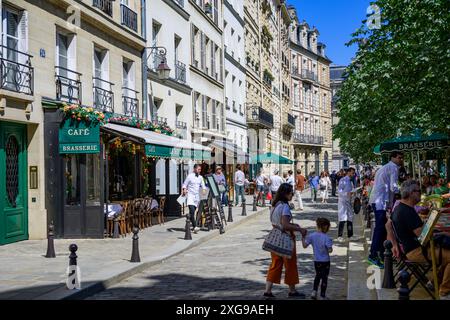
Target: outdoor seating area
140,212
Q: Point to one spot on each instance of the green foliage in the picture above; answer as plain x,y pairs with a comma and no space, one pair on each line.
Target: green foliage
399,80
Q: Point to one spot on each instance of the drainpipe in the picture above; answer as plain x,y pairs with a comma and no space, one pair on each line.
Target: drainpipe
144,60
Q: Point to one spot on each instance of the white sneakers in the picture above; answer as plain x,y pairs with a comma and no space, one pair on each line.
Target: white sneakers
340,239
196,229
314,295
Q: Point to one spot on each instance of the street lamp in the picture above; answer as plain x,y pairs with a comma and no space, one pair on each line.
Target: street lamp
162,69
254,114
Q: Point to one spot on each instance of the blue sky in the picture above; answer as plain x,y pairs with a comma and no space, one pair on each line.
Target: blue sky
336,20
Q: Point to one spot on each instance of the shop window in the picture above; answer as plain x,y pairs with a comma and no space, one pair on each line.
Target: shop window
174,183
93,185
161,177
72,180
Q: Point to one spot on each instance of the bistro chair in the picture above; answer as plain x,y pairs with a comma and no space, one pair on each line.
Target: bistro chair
138,213
147,212
129,216
160,211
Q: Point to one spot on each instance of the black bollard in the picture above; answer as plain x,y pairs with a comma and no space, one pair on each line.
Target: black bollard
244,209
263,198
388,279
50,242
73,262
135,253
230,212
403,291
254,202
187,228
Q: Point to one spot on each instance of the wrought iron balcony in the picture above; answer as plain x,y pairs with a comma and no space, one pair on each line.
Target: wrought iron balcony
288,122
161,120
295,72
103,95
16,72
68,85
309,75
130,103
181,125
227,106
180,72
129,17
300,138
104,5
259,118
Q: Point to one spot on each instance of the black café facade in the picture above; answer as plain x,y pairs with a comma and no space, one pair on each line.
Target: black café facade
89,164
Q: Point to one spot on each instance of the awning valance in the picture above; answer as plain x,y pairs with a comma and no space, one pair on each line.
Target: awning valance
413,142
164,146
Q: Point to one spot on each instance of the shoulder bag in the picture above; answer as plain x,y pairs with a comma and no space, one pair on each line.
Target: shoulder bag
279,242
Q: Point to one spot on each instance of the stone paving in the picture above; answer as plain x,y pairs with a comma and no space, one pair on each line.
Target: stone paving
233,266
26,274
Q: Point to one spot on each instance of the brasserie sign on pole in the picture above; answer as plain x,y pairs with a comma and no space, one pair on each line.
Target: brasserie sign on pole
79,137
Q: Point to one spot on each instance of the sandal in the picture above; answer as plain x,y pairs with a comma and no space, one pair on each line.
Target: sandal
268,295
297,295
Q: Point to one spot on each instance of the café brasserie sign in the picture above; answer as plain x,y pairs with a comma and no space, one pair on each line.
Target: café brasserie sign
79,137
420,145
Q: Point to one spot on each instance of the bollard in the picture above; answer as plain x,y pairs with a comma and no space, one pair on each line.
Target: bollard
254,202
72,262
263,198
50,242
135,253
187,228
388,279
230,212
116,227
244,209
403,291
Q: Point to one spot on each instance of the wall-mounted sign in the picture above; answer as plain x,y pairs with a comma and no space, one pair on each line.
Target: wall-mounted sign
78,137
33,177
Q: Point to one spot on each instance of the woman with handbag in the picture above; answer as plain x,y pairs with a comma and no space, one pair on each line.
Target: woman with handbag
221,183
281,243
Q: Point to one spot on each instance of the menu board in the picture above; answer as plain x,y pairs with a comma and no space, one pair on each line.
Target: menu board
427,229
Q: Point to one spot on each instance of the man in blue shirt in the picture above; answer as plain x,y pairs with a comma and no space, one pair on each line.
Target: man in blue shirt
314,184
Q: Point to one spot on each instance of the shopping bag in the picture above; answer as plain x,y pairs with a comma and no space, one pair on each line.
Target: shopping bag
269,196
182,200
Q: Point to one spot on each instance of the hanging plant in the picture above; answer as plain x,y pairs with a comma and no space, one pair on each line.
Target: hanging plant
78,113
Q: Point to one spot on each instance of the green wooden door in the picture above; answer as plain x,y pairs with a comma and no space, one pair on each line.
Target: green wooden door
13,183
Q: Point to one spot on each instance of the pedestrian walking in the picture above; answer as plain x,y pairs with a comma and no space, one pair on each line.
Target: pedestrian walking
239,181
382,200
275,182
345,208
221,181
324,184
322,247
261,183
333,178
280,218
300,182
191,186
314,185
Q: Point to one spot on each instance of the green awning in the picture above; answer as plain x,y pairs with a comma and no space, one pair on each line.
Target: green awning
270,157
413,142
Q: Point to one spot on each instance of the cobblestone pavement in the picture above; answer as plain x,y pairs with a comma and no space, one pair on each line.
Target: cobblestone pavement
233,265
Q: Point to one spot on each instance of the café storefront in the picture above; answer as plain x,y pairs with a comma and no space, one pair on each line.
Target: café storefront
92,163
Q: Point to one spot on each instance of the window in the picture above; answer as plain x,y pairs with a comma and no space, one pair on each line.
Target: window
128,77
156,27
232,31
239,39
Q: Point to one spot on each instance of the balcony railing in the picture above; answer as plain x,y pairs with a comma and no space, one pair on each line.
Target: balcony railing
307,139
227,106
161,120
103,95
309,75
130,103
16,72
295,71
258,117
181,125
129,17
68,85
104,5
180,72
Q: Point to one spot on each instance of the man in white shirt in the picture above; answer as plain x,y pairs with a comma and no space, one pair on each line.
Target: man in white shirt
239,181
275,182
191,186
345,208
382,200
261,181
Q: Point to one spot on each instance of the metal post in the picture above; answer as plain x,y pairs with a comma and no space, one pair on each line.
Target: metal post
187,227
135,251
50,242
116,227
244,209
230,212
254,201
403,291
388,279
73,262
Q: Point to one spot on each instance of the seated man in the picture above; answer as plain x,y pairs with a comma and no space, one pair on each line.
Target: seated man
408,226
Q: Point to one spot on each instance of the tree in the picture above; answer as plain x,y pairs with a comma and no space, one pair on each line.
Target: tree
399,80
